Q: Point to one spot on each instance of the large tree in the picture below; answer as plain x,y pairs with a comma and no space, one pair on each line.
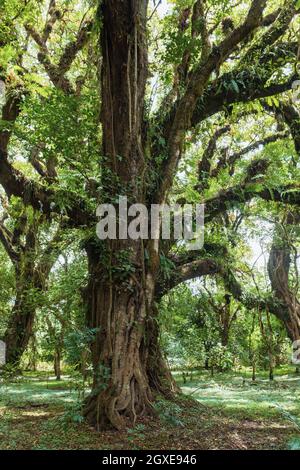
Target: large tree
215,65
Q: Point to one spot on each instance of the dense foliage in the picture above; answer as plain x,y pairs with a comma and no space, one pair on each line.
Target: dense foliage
186,101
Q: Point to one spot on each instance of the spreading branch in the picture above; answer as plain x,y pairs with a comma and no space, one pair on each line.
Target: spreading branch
204,166
57,73
6,240
186,105
185,272
236,156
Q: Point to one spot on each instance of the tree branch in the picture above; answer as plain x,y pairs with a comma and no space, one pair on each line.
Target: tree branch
232,197
48,257
74,47
214,101
53,15
231,160
57,73
186,272
292,118
5,238
204,166
277,29
198,80
199,26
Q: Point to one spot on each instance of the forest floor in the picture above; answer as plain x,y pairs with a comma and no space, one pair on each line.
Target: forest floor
226,411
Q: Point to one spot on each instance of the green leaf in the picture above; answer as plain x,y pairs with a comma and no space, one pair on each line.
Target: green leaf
234,86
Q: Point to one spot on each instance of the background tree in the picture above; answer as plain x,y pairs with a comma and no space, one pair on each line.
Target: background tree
21,232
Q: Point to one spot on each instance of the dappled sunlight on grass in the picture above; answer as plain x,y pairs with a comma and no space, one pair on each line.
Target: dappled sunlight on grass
38,412
235,393
34,390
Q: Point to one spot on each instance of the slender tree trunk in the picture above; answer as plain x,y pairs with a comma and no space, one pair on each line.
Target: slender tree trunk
83,364
253,371
34,353
57,364
268,337
225,321
32,363
271,369
207,348
19,329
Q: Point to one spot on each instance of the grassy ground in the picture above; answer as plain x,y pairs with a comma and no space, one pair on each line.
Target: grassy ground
226,411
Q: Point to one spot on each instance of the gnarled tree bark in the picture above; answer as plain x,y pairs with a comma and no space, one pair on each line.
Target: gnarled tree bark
121,289
279,269
30,276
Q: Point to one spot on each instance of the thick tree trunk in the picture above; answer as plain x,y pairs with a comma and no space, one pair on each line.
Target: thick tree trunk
128,366
122,353
32,362
158,371
30,277
279,268
225,335
19,329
